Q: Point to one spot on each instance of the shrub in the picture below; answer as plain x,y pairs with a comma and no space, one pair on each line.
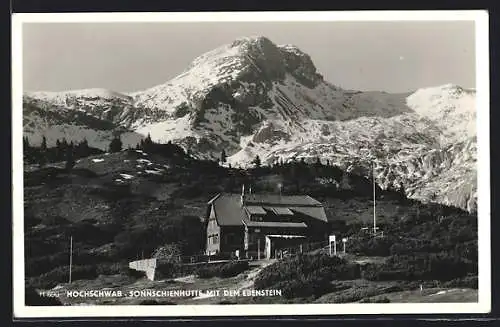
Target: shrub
226,270
133,273
441,266
306,275
233,268
168,252
466,282
303,288
304,266
205,272
111,268
43,264
355,294
61,275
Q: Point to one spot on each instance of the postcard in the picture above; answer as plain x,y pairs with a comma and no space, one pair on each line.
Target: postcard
256,164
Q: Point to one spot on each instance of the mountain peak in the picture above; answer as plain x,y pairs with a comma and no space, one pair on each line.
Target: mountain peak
255,40
252,96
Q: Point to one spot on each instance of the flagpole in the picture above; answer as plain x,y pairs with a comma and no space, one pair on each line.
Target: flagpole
70,256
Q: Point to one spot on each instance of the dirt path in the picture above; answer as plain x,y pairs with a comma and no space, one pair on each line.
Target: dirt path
246,283
252,274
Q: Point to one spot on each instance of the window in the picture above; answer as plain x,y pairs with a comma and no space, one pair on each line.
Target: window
213,239
256,218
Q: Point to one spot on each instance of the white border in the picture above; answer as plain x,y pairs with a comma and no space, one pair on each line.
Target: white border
482,86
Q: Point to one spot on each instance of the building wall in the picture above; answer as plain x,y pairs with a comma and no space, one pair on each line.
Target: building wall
146,265
231,238
213,234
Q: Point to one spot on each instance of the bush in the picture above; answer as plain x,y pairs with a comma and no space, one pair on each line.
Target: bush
111,268
168,252
61,275
303,288
233,268
306,266
466,282
43,264
226,270
355,294
306,275
132,273
441,266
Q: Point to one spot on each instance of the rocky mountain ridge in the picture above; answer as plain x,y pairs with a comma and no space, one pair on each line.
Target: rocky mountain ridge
253,97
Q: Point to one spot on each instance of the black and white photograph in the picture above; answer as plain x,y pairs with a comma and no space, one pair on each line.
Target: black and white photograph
250,163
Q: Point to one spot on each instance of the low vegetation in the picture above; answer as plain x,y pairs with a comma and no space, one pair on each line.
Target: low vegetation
113,223
225,270
306,275
430,244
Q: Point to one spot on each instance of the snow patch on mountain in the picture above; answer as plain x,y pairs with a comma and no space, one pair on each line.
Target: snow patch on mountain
253,97
168,130
450,106
93,93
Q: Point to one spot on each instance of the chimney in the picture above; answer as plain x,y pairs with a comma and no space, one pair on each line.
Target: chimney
242,194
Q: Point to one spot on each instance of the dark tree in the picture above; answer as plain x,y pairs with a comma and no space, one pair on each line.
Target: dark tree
28,150
70,159
115,145
402,193
26,142
295,176
318,162
42,159
64,144
257,161
223,156
43,146
147,143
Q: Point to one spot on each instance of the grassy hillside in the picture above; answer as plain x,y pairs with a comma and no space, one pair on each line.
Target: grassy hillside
122,206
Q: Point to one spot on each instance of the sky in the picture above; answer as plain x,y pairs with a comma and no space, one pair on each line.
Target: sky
394,56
